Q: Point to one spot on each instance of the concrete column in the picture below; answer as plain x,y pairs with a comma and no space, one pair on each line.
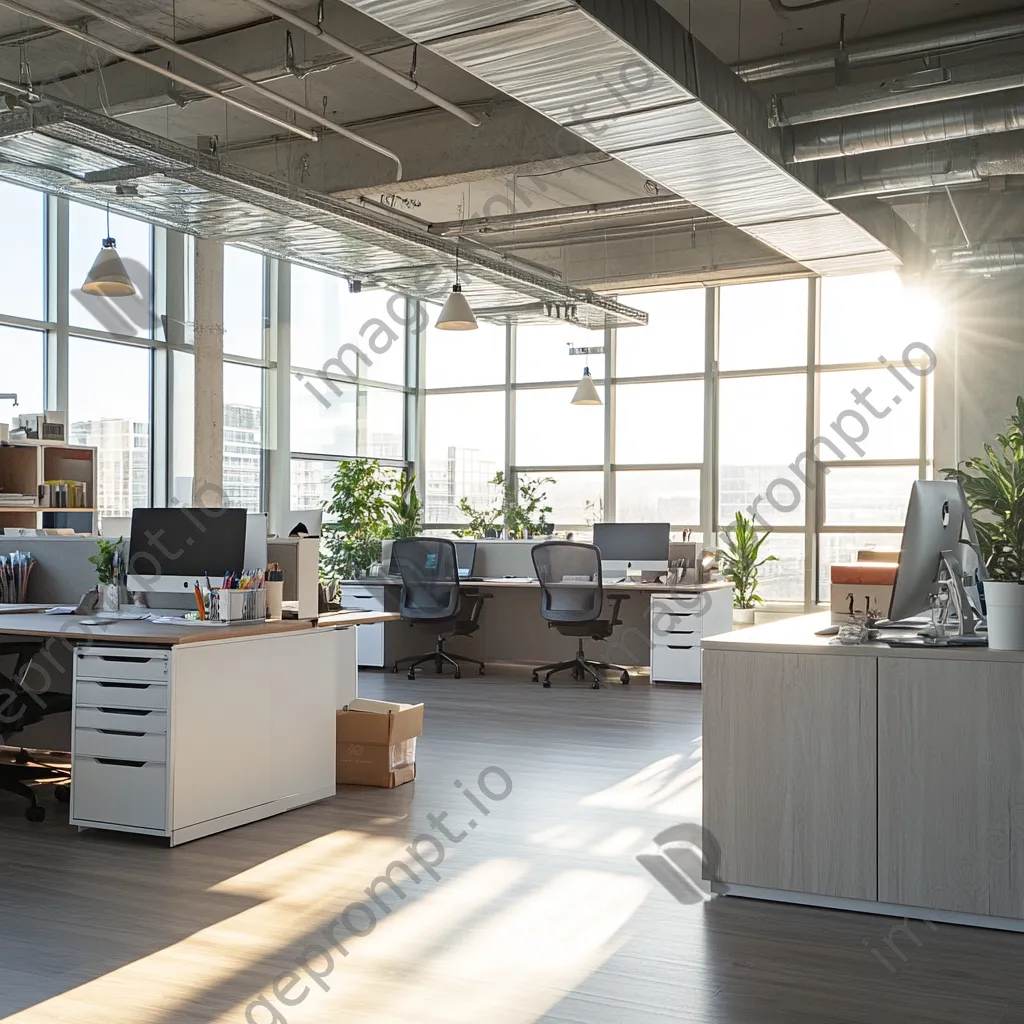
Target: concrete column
208,472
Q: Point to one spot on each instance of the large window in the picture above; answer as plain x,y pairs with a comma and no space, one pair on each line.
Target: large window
243,437
22,266
21,370
109,389
244,303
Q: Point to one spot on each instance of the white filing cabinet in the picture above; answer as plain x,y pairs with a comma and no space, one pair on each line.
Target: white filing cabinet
678,623
370,635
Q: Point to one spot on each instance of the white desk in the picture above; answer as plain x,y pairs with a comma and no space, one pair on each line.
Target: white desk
868,778
183,730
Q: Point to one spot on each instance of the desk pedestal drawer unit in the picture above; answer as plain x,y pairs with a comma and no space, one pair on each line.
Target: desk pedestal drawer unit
678,624
191,739
370,635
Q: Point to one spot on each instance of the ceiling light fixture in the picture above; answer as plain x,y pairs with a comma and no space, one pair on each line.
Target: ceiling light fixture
107,276
586,393
457,315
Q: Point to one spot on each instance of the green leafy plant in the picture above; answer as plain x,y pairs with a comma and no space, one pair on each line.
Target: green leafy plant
524,511
741,560
358,517
480,520
406,509
994,486
106,572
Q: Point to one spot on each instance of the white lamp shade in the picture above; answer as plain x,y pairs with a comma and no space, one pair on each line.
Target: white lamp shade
456,314
107,275
586,393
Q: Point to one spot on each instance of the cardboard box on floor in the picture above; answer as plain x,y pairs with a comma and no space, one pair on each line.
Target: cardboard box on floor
377,743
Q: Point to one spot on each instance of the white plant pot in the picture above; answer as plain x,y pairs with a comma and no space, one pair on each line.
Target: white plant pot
110,597
743,616
1004,603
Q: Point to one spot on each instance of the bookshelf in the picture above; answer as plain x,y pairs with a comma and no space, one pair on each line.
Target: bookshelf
25,465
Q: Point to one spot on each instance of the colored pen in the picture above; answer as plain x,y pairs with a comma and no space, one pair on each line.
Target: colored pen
200,604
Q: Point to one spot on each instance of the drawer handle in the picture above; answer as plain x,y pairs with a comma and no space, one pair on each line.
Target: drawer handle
119,732
682,632
120,763
126,711
124,686
132,659
680,647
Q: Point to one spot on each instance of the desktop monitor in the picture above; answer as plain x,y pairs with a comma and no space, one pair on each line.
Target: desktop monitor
642,547
465,553
255,541
933,541
173,548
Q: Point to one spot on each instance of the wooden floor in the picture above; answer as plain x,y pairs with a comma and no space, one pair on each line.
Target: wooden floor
541,913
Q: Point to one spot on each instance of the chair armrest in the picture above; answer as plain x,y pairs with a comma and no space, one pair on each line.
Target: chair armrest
616,600
473,603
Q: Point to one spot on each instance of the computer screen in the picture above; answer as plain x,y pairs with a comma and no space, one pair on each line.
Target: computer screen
172,548
632,542
465,553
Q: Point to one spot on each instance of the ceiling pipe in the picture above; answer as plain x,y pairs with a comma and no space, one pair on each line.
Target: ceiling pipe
916,126
950,35
165,72
555,218
951,163
382,69
19,90
233,76
985,259
933,85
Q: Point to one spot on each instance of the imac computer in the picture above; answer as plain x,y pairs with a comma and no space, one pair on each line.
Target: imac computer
632,548
933,555
173,548
303,523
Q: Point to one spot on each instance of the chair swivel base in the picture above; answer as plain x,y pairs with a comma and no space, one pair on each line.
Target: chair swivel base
582,669
440,657
14,779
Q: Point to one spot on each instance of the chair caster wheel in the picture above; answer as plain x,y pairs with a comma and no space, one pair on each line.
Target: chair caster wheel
395,669
21,757
595,686
62,794
547,684
624,679
35,814
536,678
412,676
458,674
482,672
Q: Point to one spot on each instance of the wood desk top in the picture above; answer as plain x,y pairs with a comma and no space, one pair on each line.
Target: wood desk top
22,609
355,617
140,631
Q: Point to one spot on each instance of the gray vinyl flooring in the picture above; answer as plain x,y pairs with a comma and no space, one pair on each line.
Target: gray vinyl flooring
542,912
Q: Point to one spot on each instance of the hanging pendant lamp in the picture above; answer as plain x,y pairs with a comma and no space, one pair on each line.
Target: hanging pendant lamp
586,392
457,315
108,276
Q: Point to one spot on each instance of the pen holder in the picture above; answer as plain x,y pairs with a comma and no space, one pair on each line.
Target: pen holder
275,598
238,605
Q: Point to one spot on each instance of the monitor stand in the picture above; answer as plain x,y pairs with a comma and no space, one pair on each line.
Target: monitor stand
953,579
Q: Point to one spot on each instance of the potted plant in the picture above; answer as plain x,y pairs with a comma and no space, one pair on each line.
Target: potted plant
994,486
741,562
405,507
106,562
481,522
358,519
524,511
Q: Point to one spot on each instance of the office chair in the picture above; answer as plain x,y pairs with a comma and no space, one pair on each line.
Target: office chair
25,709
431,595
572,601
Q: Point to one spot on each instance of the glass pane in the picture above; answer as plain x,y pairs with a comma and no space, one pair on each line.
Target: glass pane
542,353
361,336
381,423
21,371
131,315
22,266
764,325
864,316
109,391
323,416
311,483
243,437
183,383
243,302
673,340
575,498
783,579
869,414
465,447
658,496
868,496
457,359
659,422
762,430
551,431
840,548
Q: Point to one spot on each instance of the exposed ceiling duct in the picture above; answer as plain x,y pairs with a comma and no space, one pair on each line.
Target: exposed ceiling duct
629,79
83,154
915,126
932,85
935,39
951,163
986,259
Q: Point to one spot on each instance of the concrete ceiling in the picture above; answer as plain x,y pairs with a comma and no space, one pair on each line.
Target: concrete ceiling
516,162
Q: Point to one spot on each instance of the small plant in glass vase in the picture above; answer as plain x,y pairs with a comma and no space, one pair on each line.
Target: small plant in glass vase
107,562
741,562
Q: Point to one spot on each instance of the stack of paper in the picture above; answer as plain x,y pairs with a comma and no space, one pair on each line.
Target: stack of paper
12,500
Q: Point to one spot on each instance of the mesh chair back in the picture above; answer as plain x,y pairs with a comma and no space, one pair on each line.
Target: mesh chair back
570,580
430,578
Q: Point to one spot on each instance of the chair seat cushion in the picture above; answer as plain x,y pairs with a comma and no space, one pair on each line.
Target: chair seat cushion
598,629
